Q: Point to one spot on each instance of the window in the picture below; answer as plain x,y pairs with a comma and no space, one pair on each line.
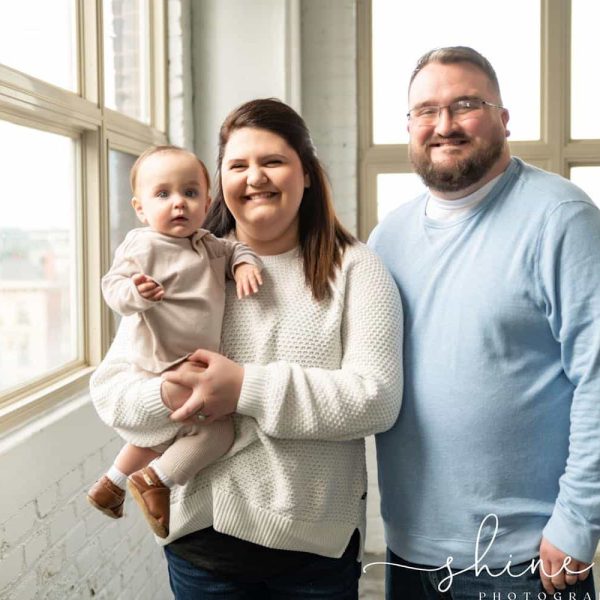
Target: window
544,78
28,25
38,260
121,216
125,57
71,124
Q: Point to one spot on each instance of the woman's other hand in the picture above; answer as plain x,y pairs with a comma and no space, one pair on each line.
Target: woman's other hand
215,390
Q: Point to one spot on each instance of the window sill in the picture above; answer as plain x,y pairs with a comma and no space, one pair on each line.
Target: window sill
22,410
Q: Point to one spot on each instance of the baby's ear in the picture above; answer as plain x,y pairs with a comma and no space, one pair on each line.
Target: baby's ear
139,210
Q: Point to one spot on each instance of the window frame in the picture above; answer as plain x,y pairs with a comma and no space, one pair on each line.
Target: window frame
28,101
555,151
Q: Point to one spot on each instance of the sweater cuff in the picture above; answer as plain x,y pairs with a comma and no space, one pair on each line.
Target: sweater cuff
151,397
577,540
253,391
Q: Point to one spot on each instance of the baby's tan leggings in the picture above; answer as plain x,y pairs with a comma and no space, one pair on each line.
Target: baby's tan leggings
194,449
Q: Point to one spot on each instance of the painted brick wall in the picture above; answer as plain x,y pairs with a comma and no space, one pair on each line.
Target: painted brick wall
329,105
53,544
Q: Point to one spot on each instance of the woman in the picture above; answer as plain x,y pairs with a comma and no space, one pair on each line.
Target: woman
314,365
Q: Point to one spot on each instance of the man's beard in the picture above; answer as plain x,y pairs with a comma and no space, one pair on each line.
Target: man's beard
463,173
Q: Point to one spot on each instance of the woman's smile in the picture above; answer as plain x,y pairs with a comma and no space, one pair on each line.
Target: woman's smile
257,196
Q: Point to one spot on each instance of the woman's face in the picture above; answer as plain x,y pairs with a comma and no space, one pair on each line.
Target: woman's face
263,183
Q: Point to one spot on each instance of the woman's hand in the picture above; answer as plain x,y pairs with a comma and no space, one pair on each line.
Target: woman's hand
175,395
215,391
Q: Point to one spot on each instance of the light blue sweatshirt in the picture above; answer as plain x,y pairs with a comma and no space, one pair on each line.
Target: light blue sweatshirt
501,409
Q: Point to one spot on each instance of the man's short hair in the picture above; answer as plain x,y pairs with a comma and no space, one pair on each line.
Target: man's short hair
457,54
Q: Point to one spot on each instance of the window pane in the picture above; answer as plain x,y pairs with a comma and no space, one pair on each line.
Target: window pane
126,57
585,16
588,179
39,311
38,37
403,31
122,217
394,189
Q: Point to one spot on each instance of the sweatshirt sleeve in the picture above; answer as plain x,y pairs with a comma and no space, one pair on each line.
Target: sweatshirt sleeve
569,278
128,399
237,254
120,293
360,398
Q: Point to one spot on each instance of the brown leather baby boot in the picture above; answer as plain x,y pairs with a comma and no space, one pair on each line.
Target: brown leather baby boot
153,497
107,497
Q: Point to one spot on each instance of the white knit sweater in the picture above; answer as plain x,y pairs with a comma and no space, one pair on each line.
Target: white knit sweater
318,377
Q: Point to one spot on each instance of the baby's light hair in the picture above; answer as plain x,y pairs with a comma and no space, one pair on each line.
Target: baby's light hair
156,150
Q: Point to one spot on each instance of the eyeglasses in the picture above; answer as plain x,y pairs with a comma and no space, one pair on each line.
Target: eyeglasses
459,110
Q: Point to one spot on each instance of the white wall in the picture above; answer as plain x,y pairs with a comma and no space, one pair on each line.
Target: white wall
241,50
301,51
53,544
329,102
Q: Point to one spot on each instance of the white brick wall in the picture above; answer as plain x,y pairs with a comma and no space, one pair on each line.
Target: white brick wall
53,544
329,104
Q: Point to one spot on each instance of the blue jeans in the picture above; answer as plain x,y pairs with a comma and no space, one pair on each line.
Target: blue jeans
407,584
323,578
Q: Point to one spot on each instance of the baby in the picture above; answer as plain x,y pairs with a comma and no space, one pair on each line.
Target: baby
169,279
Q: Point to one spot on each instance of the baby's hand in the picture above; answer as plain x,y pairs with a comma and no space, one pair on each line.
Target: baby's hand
148,288
247,279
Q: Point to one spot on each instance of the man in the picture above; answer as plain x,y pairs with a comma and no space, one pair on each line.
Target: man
495,458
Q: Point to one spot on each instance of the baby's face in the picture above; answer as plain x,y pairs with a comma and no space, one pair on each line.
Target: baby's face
171,194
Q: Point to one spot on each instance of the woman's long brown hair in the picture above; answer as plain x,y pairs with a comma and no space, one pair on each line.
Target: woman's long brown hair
322,237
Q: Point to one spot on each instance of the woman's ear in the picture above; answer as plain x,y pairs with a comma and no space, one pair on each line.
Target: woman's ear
306,180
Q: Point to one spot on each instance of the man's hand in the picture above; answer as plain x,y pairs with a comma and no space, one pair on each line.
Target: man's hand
148,288
215,391
247,279
557,570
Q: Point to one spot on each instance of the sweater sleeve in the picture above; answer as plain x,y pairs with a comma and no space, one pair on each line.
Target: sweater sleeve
240,253
120,293
360,398
569,277
128,399
236,253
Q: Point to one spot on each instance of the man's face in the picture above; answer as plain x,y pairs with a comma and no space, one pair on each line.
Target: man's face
454,154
